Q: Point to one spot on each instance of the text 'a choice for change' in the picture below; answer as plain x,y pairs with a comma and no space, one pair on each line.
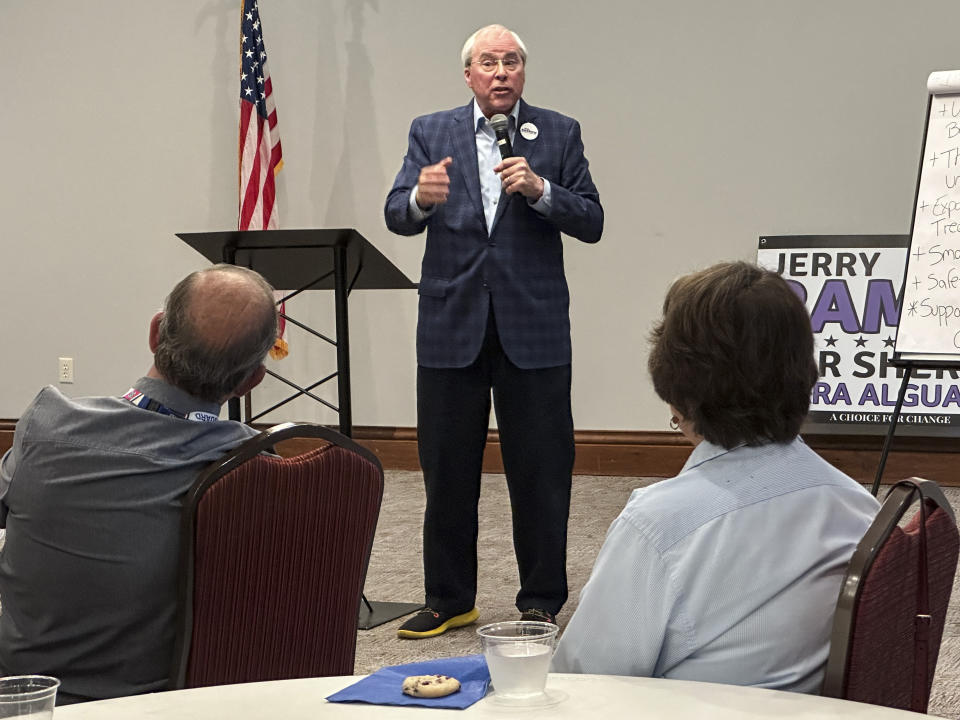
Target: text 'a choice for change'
882,418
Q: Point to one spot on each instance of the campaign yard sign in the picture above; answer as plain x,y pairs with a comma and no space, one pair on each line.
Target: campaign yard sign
851,285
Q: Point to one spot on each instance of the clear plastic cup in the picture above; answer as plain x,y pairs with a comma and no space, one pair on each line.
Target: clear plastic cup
33,695
518,656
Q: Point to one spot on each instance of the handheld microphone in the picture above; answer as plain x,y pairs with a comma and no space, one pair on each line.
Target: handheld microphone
500,124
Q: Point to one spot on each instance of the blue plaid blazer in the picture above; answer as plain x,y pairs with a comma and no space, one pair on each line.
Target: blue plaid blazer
519,265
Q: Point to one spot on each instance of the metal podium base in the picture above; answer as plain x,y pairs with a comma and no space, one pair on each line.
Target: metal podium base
373,613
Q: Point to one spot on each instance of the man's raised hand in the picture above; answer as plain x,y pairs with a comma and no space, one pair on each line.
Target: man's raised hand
433,187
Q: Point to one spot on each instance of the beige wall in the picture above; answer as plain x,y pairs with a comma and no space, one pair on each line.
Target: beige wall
706,123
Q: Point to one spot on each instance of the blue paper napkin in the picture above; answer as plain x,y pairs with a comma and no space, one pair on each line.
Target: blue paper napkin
384,687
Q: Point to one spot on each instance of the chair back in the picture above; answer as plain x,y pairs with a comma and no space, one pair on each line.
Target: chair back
893,602
274,554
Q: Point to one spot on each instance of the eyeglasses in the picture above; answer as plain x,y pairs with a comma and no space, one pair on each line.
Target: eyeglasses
510,63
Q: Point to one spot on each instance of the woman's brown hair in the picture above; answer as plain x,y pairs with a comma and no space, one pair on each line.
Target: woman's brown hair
733,353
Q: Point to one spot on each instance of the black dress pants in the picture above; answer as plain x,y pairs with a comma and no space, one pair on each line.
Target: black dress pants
536,440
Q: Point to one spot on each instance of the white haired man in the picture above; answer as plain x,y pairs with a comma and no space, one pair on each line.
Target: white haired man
494,316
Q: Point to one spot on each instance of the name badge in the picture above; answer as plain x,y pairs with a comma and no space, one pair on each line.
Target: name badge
200,416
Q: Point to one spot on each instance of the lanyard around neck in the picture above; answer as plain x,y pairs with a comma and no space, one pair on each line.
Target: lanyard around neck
136,397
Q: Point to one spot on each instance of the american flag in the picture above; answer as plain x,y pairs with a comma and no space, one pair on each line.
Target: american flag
260,154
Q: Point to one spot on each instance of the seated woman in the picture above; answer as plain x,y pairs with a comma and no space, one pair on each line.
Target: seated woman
730,571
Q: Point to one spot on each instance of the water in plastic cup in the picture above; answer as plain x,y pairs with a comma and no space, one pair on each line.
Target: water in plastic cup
33,695
518,655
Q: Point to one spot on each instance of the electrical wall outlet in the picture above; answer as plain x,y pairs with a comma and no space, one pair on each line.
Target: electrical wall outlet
65,369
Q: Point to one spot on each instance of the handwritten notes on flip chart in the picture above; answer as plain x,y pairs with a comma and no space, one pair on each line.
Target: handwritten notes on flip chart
930,309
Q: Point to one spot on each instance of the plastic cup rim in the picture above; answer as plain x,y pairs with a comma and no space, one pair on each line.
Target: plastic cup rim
549,630
39,693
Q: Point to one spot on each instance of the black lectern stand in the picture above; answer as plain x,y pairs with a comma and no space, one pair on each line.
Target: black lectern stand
338,259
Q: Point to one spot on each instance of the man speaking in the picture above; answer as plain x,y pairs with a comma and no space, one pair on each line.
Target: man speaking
494,314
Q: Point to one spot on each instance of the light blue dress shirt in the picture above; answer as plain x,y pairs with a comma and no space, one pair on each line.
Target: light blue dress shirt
488,157
727,573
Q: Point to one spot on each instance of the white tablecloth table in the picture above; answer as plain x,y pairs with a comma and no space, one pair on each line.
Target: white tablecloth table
607,697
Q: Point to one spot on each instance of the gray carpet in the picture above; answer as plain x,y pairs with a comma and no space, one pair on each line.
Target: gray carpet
396,572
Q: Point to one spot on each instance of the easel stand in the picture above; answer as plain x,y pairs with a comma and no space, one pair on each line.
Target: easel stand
908,366
926,339
338,259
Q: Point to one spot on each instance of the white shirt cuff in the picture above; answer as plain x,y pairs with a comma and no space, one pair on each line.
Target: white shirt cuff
544,204
418,214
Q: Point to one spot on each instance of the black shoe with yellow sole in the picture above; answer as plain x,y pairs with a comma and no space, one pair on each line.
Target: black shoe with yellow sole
430,623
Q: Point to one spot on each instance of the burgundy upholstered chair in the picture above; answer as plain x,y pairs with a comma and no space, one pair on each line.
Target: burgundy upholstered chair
893,602
274,555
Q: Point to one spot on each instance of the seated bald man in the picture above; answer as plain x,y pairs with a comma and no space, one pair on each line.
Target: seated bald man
91,491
